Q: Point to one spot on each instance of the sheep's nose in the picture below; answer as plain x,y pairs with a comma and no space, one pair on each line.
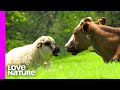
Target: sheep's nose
57,49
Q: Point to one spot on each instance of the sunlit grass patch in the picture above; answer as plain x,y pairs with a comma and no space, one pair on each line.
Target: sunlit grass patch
85,65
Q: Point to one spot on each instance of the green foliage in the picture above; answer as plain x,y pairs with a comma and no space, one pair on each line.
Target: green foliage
27,26
15,18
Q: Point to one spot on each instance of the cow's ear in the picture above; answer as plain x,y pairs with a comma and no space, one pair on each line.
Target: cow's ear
101,21
40,44
86,27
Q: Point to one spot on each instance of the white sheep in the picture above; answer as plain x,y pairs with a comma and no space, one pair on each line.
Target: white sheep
34,55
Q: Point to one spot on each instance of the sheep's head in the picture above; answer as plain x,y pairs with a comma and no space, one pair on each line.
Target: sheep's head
47,43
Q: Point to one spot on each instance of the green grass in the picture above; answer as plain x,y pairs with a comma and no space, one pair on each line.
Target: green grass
85,65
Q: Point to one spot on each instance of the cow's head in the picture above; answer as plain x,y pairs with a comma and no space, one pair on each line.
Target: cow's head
79,41
86,25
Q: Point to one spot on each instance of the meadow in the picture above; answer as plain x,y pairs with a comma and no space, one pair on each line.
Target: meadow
85,65
24,27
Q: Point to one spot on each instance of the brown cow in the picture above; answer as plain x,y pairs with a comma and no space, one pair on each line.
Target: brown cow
104,39
82,40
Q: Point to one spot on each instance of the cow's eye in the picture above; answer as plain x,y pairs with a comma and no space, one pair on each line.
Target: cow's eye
47,43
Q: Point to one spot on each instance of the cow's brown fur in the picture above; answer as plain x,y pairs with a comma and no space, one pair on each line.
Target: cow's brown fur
105,40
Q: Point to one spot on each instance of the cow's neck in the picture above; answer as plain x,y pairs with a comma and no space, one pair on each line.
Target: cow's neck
110,29
102,43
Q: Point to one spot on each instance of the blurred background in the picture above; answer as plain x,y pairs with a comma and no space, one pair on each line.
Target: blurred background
24,27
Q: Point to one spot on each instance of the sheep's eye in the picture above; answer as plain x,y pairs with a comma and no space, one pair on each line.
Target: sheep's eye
47,43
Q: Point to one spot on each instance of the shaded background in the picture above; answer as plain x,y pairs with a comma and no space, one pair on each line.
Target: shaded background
24,27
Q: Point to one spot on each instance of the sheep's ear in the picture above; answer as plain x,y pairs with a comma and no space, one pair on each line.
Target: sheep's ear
39,44
86,27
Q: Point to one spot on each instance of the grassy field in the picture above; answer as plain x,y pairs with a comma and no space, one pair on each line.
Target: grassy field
85,65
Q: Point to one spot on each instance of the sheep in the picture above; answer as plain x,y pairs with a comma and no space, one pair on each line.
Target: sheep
34,55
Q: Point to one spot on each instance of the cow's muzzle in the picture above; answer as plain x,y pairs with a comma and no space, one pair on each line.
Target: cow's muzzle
72,50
